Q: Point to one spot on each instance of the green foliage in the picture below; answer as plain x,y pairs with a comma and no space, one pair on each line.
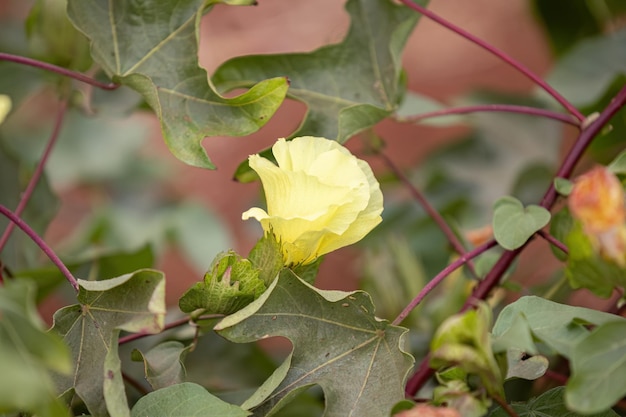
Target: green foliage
163,363
134,303
514,224
28,354
331,332
152,47
185,399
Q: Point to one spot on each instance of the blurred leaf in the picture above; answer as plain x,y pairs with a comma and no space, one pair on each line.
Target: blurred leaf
563,186
347,87
185,399
415,104
514,224
97,266
230,284
456,394
586,268
586,72
560,226
134,303
463,341
548,404
163,363
560,327
53,39
20,252
598,366
28,354
618,165
521,365
566,26
152,47
334,334
532,182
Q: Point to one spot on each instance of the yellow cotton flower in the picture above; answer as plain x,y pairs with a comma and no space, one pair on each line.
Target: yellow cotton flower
5,106
320,198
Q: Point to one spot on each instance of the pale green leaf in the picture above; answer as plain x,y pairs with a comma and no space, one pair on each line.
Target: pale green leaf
152,47
134,303
414,104
514,224
548,404
338,343
618,165
163,363
563,186
598,366
28,354
521,365
560,327
187,399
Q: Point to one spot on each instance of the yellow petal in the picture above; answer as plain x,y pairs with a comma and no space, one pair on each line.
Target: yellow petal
5,106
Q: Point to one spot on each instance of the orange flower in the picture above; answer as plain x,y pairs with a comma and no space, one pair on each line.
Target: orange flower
597,201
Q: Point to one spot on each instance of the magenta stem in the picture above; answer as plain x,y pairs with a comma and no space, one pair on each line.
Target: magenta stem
554,241
507,108
500,54
30,188
176,323
461,260
430,210
59,70
40,242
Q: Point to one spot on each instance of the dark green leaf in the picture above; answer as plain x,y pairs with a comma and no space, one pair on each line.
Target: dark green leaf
514,224
28,354
347,87
152,47
187,399
598,369
163,363
334,334
134,303
548,404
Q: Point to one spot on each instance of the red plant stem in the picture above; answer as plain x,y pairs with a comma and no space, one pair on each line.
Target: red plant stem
59,70
507,108
500,54
463,259
30,188
40,242
554,241
430,210
492,279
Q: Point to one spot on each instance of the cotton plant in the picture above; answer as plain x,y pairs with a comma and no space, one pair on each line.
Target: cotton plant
320,198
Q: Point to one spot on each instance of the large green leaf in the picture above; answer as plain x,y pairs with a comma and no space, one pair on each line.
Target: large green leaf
548,404
338,343
347,87
560,327
134,303
598,369
163,364
152,47
186,399
28,354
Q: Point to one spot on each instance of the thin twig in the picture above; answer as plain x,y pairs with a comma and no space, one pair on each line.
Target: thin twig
59,70
500,54
504,405
507,108
34,180
40,242
460,261
430,210
554,241
135,384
